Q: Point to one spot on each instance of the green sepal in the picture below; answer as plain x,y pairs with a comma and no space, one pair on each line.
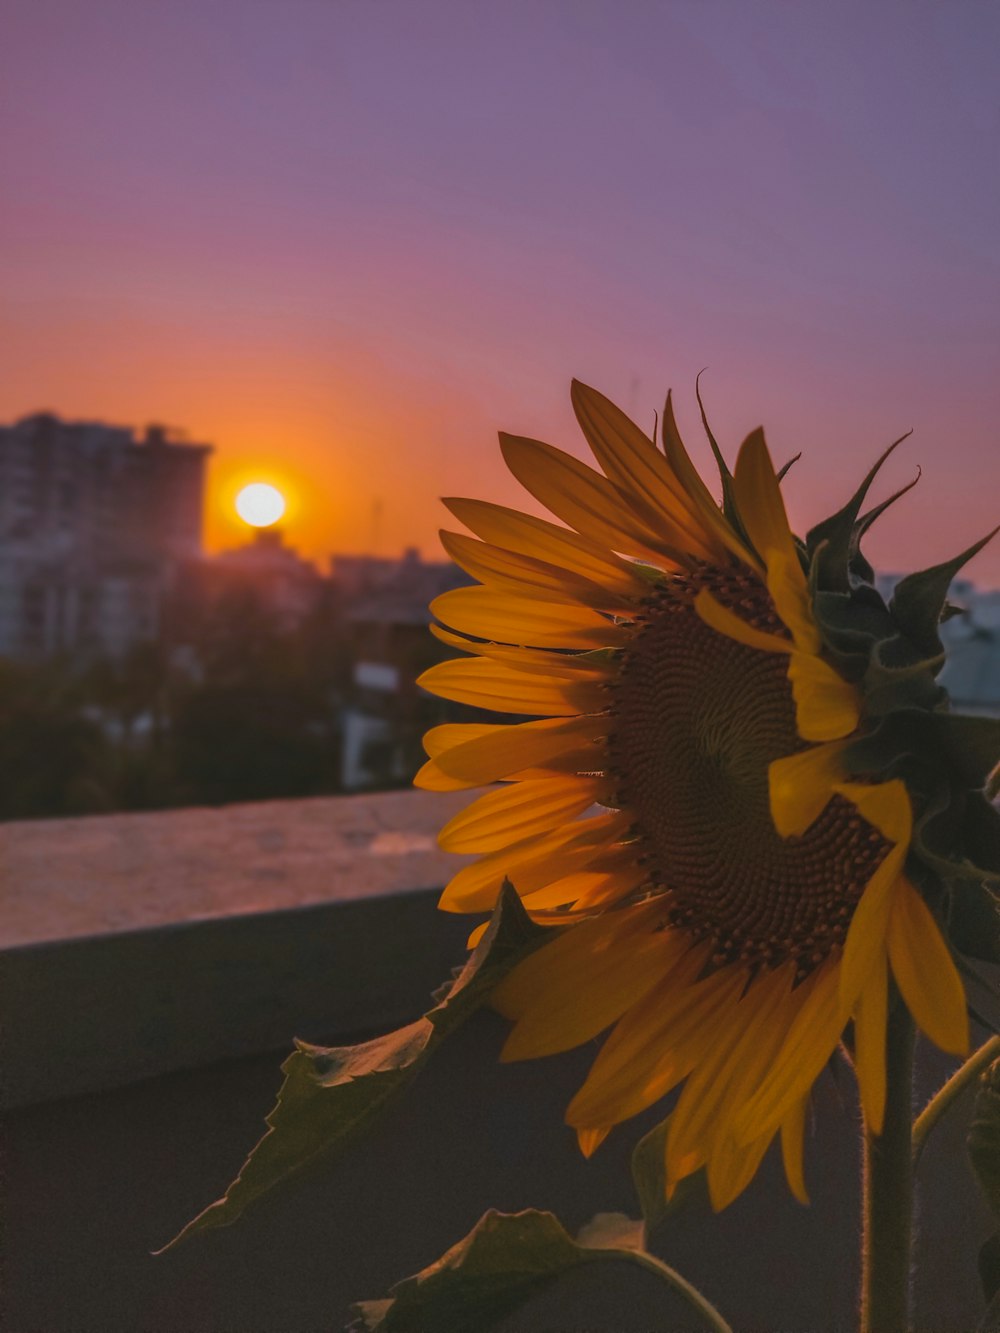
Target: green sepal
783,471
656,578
974,923
970,744
960,748
505,1260
851,624
649,1176
835,533
956,837
599,656
982,830
919,599
898,675
331,1094
857,564
729,506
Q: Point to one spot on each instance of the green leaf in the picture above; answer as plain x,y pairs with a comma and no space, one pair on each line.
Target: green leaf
919,600
984,1135
649,1176
505,1260
331,1094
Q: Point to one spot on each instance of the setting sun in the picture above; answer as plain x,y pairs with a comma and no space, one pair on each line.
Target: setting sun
260,505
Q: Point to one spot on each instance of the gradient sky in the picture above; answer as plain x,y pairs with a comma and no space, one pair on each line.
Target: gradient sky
347,240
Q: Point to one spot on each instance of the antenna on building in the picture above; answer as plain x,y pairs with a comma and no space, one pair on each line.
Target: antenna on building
376,524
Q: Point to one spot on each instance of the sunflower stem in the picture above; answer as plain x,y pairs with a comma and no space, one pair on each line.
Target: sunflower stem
950,1091
888,1192
691,1294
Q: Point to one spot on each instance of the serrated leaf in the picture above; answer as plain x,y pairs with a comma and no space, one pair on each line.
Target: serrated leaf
984,1135
331,1094
505,1260
919,599
649,1176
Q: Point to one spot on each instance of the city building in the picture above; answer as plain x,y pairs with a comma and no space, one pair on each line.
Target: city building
284,585
384,608
94,523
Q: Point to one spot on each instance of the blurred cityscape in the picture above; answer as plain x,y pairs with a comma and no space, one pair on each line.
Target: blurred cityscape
138,672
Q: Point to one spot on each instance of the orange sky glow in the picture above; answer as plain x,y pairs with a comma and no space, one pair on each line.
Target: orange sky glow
347,287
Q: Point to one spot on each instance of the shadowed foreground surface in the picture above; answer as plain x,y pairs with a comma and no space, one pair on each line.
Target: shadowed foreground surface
94,1183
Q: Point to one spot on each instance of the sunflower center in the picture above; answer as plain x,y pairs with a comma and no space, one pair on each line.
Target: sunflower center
698,719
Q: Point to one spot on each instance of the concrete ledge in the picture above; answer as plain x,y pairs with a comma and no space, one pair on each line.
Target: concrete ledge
193,957
69,878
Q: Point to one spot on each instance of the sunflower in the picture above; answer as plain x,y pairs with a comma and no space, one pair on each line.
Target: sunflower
728,803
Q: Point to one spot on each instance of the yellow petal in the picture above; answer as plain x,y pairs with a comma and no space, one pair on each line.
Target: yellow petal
792,1142
533,863
699,1119
687,474
732,1168
537,537
927,978
742,1047
758,499
477,934
525,576
801,786
485,683
726,622
886,806
517,812
450,734
866,935
526,622
812,1037
869,1043
446,737
570,990
657,1043
609,878
507,749
548,661
790,594
827,707
591,1139
584,499
631,461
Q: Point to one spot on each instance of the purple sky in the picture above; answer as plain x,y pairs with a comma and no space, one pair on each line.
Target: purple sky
348,240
